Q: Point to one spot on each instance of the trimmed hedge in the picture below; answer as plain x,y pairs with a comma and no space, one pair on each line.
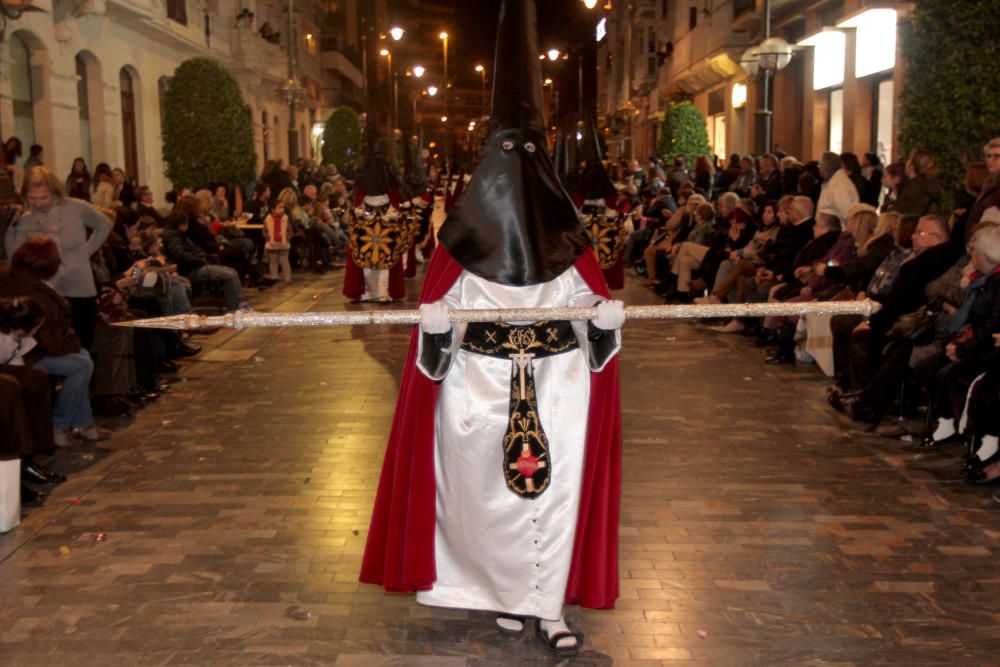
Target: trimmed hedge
342,137
683,133
207,129
950,51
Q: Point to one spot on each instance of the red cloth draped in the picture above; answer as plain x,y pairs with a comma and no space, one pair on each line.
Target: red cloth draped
615,276
411,261
399,554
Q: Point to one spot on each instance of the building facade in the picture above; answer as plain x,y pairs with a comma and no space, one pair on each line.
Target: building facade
85,78
839,92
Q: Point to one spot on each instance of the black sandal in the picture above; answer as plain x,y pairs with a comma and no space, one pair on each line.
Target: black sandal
552,642
511,617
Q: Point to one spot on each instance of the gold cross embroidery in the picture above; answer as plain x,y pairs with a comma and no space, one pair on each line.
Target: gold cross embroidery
553,334
491,336
522,361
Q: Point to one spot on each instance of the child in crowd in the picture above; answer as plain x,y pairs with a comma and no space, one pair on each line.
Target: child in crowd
277,231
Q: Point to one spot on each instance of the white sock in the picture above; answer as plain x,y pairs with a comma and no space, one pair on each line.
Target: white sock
511,624
945,429
554,627
988,447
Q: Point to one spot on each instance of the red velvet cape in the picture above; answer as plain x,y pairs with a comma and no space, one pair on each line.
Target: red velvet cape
399,554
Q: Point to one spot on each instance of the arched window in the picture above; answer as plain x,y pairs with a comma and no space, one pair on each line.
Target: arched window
129,134
84,88
22,91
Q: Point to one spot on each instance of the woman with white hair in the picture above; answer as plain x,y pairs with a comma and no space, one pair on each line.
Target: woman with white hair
972,329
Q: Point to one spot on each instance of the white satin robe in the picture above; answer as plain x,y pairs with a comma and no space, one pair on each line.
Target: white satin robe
495,550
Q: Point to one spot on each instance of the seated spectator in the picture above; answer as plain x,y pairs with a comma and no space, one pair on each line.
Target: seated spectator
193,263
768,185
58,352
25,395
932,256
972,327
748,176
730,281
220,204
145,206
690,257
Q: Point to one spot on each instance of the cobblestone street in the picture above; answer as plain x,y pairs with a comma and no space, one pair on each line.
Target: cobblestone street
757,527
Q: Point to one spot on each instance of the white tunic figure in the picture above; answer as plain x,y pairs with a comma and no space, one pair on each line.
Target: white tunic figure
494,549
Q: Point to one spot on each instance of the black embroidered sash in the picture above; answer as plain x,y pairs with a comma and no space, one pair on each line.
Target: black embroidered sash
527,466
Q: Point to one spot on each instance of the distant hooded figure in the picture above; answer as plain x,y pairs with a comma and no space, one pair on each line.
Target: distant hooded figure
501,482
374,270
595,195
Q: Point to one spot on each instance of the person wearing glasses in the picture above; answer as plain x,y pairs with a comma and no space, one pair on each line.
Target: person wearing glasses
991,154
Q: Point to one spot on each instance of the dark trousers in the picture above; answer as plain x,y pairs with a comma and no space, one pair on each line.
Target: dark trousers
953,385
25,411
842,327
84,317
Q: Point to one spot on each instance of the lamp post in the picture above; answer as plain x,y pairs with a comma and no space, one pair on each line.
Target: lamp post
387,54
444,82
482,76
770,56
291,91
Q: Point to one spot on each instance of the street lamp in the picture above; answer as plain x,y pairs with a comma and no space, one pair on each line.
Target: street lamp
387,54
396,33
418,71
589,4
443,36
553,54
432,90
291,90
770,56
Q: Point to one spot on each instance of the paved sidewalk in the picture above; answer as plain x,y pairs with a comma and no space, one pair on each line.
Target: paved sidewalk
757,528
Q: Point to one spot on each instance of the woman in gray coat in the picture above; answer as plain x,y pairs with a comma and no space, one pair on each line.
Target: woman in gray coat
78,229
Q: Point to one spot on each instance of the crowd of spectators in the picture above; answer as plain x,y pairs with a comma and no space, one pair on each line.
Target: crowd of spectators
775,229
79,254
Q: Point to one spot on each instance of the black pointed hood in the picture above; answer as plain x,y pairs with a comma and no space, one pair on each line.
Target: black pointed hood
515,224
594,181
559,156
416,176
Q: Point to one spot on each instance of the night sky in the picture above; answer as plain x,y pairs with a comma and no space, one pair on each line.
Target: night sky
561,24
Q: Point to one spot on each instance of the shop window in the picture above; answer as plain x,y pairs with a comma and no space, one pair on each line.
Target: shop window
883,125
836,121
828,58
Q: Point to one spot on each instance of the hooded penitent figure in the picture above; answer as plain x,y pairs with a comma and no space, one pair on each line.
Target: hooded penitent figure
374,271
501,480
594,193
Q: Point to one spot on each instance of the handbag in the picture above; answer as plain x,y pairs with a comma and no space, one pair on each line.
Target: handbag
154,282
916,327
112,305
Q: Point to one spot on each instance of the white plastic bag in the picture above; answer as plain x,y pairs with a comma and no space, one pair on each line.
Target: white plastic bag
10,494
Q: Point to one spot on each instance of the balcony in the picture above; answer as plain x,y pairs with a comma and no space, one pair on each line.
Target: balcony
251,52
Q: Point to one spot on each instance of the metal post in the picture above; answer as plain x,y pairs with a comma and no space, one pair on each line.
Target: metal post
445,83
293,135
764,114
